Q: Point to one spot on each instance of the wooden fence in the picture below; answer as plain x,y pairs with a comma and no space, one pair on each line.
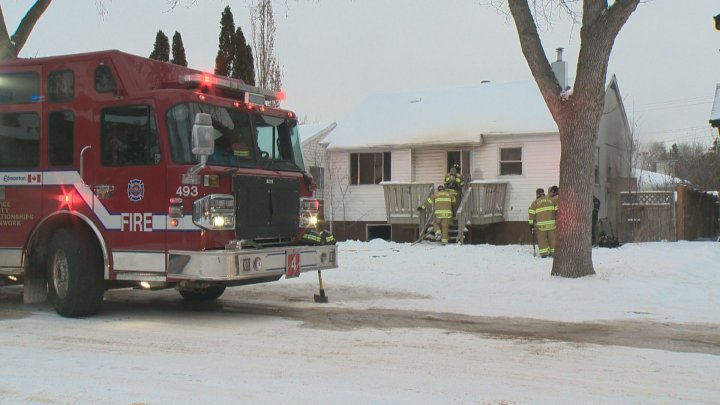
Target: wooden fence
683,214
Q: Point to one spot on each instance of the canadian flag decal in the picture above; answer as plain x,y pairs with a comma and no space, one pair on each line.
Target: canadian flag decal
34,178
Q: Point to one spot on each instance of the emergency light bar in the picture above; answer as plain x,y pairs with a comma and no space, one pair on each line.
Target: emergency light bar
251,94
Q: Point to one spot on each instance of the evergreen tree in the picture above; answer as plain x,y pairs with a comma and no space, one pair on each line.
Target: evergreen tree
178,50
223,61
161,49
243,66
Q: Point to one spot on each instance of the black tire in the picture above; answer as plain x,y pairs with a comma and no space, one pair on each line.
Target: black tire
75,274
203,294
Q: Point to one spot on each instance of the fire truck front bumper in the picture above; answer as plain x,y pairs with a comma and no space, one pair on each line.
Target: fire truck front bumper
247,264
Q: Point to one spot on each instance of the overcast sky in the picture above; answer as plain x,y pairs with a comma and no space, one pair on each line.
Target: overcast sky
335,52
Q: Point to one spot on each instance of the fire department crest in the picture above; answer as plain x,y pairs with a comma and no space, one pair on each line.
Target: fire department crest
136,190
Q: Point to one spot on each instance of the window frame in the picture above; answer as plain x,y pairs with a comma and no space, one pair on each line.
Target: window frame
355,165
463,160
105,132
501,161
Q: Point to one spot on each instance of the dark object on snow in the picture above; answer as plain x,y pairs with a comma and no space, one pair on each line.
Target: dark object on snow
608,241
717,22
320,298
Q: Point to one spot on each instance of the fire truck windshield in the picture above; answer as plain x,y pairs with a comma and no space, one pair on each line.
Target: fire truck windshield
235,142
279,143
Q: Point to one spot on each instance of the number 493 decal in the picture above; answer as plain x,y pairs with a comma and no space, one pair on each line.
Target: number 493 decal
187,191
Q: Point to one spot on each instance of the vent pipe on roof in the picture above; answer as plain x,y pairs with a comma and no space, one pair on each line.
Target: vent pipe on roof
559,67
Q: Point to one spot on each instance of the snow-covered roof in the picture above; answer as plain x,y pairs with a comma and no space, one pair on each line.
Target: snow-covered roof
715,113
307,131
647,180
457,115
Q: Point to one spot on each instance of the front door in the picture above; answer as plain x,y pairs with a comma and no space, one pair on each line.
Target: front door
125,170
20,164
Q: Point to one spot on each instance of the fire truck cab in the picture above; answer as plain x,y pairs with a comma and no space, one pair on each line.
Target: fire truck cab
119,171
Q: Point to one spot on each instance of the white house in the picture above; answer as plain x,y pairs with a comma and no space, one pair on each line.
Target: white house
389,153
314,153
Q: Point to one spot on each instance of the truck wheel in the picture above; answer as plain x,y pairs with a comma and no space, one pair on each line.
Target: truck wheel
203,294
74,273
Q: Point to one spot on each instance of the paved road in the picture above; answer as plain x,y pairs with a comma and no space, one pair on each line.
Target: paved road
689,338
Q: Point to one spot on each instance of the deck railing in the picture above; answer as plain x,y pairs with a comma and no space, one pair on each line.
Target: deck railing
483,202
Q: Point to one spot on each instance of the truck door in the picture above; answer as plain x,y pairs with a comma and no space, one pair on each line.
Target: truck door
124,168
20,168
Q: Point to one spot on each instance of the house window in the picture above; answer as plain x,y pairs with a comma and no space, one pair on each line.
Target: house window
461,158
379,232
369,168
510,161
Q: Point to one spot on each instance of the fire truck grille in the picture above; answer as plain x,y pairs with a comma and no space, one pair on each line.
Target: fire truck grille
266,209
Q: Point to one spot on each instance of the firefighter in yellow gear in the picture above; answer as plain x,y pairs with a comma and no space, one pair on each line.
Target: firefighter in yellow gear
454,183
541,217
443,202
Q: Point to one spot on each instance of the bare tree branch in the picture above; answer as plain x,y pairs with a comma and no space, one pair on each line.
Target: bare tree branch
27,24
535,55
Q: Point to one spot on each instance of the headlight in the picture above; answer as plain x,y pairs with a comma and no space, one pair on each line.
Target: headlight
215,212
309,208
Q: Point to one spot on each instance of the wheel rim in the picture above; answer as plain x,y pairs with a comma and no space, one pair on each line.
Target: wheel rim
60,274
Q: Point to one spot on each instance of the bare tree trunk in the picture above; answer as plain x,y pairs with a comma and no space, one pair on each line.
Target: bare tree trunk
577,115
10,47
573,254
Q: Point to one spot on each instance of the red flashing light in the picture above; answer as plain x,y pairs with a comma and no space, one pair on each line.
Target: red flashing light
207,78
262,108
291,114
174,222
280,95
201,97
236,104
66,199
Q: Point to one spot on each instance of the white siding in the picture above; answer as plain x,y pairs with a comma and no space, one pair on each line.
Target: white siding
428,166
401,169
313,152
347,202
541,168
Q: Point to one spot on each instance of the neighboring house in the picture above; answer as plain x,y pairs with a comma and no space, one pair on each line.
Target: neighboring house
389,154
314,154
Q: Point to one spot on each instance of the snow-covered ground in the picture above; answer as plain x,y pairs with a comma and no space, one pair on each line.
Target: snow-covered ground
150,348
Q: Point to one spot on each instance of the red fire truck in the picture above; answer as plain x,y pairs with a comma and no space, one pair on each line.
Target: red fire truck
119,171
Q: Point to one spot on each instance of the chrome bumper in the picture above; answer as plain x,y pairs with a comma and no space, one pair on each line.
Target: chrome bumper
240,264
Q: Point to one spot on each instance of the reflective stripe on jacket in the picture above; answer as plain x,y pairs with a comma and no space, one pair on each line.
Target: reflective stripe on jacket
443,201
542,213
454,181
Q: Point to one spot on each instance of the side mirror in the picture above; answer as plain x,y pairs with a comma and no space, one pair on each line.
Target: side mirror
203,135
